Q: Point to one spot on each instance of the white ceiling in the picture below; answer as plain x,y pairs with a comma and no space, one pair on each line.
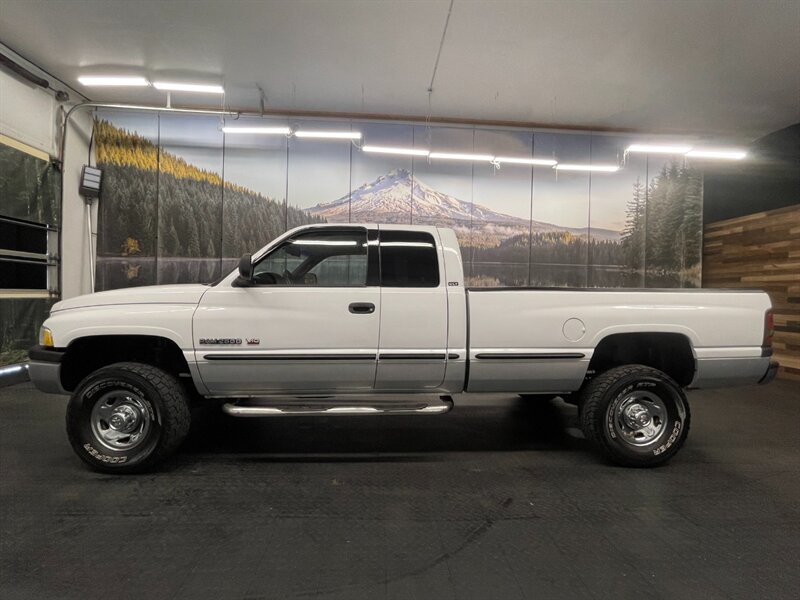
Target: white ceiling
719,68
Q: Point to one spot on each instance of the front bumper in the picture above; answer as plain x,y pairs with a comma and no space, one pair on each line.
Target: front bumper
44,368
772,371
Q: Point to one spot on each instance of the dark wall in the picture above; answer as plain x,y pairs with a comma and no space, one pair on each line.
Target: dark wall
767,179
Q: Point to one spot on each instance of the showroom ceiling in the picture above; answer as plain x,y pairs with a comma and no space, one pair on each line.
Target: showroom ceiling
714,67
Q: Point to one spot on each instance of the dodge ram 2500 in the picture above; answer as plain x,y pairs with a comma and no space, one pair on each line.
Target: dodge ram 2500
373,320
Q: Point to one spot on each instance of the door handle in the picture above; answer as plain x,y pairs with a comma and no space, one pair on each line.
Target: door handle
361,308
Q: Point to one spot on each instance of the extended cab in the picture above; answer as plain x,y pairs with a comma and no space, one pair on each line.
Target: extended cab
351,319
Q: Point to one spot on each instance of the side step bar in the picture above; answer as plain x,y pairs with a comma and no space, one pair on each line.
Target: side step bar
334,408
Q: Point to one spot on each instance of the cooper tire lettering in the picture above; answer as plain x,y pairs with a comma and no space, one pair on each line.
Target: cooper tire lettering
674,436
113,460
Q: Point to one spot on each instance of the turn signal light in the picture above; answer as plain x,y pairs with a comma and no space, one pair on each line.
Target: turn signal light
46,337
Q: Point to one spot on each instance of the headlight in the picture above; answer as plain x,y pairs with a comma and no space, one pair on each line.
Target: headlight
46,337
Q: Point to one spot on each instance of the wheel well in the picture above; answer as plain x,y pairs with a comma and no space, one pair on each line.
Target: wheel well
667,352
88,354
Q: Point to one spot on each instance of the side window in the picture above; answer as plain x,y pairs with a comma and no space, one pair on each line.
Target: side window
332,258
346,270
408,259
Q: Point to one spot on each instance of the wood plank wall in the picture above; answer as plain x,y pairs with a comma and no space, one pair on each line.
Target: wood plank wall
762,251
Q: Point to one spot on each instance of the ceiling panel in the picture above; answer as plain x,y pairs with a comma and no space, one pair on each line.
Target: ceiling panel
713,67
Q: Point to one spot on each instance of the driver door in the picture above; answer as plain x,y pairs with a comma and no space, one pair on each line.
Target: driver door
308,323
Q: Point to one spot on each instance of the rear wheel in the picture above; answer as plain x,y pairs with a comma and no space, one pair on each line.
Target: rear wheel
638,416
127,417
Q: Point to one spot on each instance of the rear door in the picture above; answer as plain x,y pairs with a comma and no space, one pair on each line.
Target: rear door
412,352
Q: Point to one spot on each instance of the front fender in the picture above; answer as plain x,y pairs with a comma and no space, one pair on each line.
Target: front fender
171,321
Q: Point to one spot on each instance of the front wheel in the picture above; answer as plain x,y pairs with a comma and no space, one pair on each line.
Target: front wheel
637,415
127,417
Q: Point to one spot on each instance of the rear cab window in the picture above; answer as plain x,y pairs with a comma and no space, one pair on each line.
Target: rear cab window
408,259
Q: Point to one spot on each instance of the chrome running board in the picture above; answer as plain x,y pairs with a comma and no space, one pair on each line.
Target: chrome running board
333,408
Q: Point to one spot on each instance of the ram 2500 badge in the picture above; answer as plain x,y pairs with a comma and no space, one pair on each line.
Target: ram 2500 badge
374,320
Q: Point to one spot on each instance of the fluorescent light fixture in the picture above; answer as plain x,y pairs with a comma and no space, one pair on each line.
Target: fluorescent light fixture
516,160
260,130
97,80
723,153
658,149
10,369
172,86
591,168
456,156
402,151
332,135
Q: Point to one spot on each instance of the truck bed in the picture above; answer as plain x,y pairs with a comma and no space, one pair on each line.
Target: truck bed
543,339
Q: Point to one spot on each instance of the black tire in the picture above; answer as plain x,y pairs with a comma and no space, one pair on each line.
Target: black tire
605,422
155,404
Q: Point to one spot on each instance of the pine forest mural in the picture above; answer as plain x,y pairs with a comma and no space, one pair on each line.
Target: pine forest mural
179,204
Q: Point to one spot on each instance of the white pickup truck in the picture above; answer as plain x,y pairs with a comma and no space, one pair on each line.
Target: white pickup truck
375,319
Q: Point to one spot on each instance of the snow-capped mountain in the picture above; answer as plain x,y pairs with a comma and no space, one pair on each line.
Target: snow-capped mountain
391,198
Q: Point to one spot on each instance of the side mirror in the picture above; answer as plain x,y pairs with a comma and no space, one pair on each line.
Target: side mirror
246,267
245,277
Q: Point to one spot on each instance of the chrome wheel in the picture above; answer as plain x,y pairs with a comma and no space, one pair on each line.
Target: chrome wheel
120,420
640,418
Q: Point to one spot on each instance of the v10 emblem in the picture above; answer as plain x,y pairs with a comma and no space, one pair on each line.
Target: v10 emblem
253,341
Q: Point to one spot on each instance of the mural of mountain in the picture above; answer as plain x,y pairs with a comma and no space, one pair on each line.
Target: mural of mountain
163,219
388,200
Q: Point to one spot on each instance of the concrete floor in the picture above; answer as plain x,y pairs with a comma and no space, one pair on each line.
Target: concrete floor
491,501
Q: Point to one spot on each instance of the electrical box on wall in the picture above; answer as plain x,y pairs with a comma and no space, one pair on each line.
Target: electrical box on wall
91,179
